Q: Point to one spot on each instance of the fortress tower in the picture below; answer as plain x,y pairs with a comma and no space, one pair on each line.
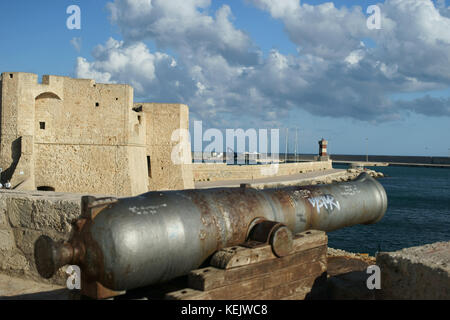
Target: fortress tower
74,135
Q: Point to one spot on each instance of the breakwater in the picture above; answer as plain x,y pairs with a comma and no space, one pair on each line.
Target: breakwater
348,157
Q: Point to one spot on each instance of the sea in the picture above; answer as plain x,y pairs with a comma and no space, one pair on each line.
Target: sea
418,212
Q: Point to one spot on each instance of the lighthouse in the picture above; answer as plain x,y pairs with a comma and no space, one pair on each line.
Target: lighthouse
323,155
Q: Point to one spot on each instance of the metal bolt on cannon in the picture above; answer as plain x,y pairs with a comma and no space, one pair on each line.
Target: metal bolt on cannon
126,243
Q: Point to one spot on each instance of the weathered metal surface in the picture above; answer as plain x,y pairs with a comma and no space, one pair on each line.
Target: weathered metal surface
274,233
157,236
281,241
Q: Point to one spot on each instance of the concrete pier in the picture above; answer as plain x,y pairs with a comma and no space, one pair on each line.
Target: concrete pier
421,272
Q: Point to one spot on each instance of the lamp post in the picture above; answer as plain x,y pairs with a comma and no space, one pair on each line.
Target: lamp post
296,138
285,153
367,149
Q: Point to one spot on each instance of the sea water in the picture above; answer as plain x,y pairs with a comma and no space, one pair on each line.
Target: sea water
418,212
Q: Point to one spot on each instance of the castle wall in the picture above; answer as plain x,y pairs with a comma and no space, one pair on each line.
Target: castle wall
24,216
222,171
17,127
72,135
92,142
163,142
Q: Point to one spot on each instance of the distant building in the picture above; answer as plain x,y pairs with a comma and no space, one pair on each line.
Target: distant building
323,154
74,135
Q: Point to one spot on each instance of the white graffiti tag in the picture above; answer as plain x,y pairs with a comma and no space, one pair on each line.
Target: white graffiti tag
146,209
326,201
302,193
349,190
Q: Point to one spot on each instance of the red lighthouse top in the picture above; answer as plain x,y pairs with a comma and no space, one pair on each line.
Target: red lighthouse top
323,147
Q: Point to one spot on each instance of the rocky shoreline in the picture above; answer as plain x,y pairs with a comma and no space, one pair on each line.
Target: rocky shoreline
348,175
331,252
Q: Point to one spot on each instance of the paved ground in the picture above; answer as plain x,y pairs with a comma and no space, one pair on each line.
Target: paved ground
285,180
19,289
346,272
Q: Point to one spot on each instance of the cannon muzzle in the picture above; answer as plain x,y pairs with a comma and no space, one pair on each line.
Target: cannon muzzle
50,255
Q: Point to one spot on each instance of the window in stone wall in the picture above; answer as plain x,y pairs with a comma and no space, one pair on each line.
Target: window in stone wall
42,125
45,188
149,167
97,104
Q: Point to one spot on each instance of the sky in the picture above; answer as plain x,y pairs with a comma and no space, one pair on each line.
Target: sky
314,67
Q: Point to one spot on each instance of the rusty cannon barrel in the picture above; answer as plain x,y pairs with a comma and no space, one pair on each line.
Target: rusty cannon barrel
133,242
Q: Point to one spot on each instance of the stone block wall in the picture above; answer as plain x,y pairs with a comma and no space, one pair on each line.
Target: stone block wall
222,171
167,126
71,135
24,216
415,273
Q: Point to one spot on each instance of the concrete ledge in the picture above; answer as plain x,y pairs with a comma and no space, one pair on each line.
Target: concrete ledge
327,176
415,273
221,171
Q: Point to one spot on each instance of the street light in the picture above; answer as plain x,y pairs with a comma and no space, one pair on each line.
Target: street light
367,149
285,153
295,147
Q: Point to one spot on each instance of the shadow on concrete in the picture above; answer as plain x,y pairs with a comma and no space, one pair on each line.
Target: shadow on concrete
349,286
60,294
319,288
347,279
156,292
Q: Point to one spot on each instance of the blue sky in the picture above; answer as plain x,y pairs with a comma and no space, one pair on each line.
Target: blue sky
256,64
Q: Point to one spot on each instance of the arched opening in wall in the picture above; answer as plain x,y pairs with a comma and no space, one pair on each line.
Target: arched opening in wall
47,108
51,127
45,188
48,95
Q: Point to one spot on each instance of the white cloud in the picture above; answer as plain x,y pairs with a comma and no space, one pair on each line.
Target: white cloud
76,43
182,25
133,64
222,75
322,30
443,9
418,40
355,57
87,70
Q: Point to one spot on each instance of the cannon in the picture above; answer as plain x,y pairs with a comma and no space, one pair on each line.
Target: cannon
127,243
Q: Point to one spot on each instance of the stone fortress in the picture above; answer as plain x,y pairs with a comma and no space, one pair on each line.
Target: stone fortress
74,135
79,136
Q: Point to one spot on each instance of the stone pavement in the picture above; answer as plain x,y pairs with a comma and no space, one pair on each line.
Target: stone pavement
12,288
